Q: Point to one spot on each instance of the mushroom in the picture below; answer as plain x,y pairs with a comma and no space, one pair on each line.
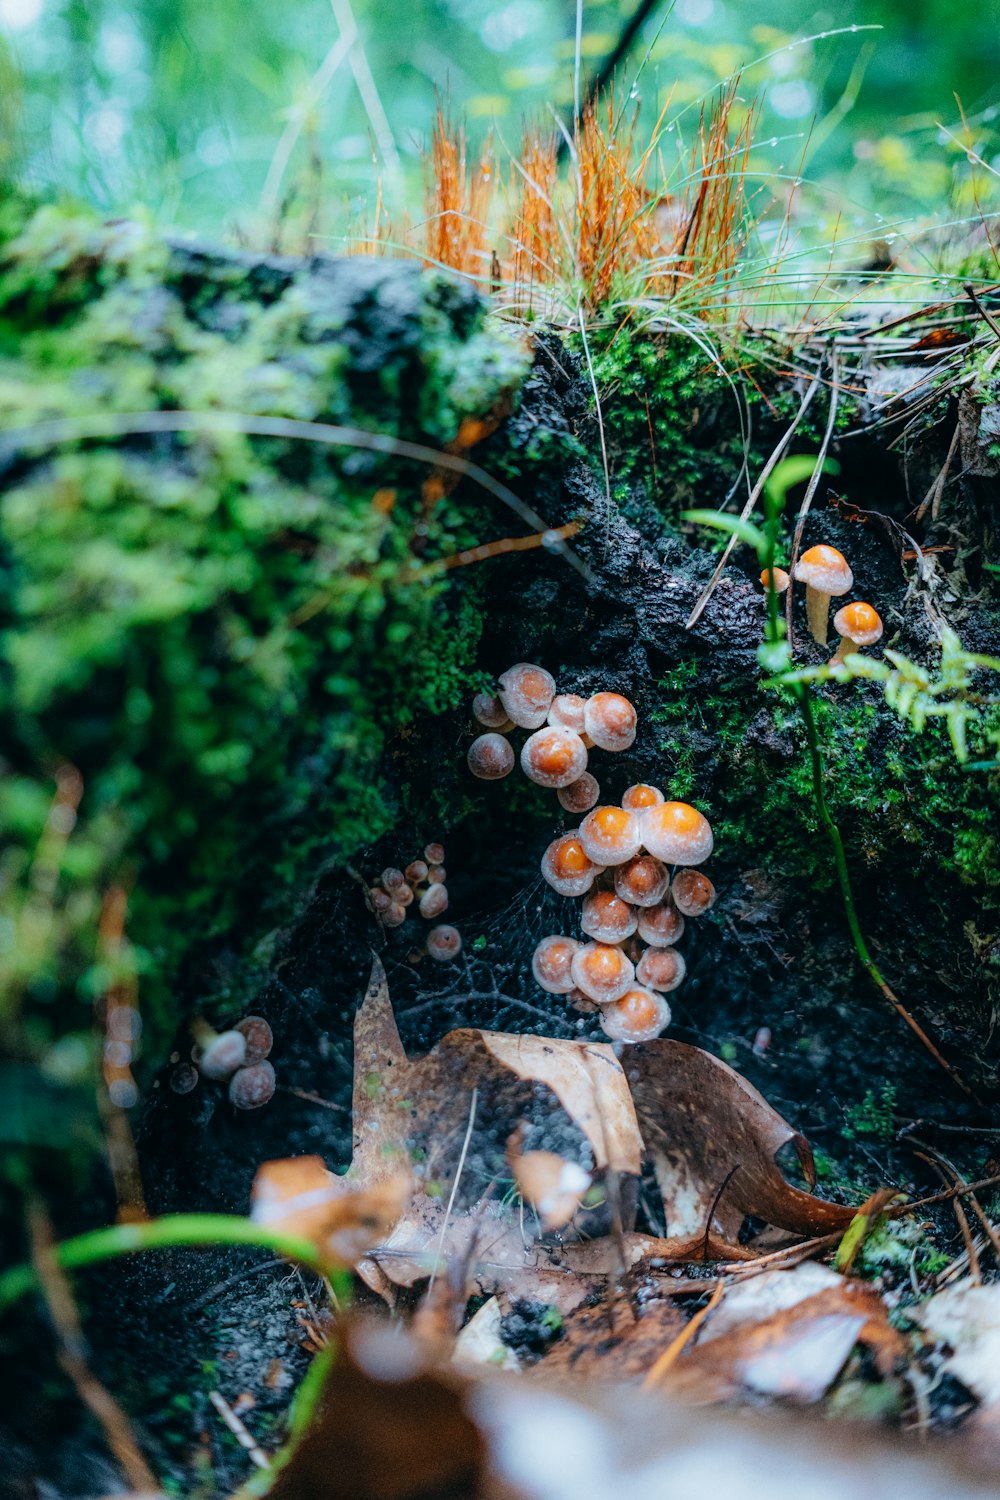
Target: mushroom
403,895
566,866
251,1087
692,892
677,833
567,711
607,918
219,1053
781,580
184,1078
490,712
526,693
554,756
581,795
436,874
380,899
393,880
433,902
661,969
551,964
857,625
610,835
490,757
395,915
444,943
641,795
258,1036
610,721
638,1016
416,871
825,573
434,854
644,881
602,972
662,925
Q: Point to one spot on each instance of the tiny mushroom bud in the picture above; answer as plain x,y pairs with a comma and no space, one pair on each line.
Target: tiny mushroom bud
692,892
582,1002
567,711
641,795
581,795
607,917
489,711
184,1078
251,1087
434,854
436,875
395,916
393,880
662,925
602,972
491,757
610,835
526,692
554,756
566,867
403,895
644,881
857,625
444,943
221,1052
661,969
676,833
610,721
416,872
551,964
380,899
259,1037
434,901
638,1016
781,579
824,572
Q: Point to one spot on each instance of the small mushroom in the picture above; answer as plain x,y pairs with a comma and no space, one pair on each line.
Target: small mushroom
403,895
554,756
857,625
641,795
825,573
433,902
219,1053
607,918
662,925
526,693
581,795
251,1087
677,833
394,917
566,866
434,854
610,721
602,972
692,892
444,943
436,874
259,1038
781,580
416,871
638,1016
490,712
380,899
393,880
644,881
610,835
551,964
661,969
491,757
567,711
184,1078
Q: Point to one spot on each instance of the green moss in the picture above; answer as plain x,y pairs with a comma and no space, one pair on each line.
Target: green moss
227,636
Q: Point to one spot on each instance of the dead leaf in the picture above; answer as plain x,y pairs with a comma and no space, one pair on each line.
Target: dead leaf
713,1140
966,1316
553,1186
614,1340
479,1342
342,1219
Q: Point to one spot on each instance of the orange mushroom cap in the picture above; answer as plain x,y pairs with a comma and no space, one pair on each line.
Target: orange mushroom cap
551,964
781,579
859,622
825,569
677,833
639,1016
554,756
581,795
566,867
602,972
526,692
610,835
610,721
607,918
642,795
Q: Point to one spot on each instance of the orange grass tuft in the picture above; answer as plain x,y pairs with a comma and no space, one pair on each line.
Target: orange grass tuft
615,231
458,201
535,237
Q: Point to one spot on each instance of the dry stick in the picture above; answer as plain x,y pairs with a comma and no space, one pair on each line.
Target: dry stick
680,1343
977,1208
754,496
238,1430
65,1320
811,489
934,494
963,1221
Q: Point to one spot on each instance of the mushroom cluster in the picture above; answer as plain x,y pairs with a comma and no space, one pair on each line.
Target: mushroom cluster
421,884
827,575
634,867
237,1056
564,727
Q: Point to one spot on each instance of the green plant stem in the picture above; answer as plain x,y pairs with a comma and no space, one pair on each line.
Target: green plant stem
172,1230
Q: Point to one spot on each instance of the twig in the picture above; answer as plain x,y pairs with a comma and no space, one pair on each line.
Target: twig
454,1187
239,1431
975,1268
314,91
811,489
66,1322
715,1204
680,1343
934,494
221,1287
752,499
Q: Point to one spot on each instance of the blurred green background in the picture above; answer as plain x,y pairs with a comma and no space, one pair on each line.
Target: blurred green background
181,104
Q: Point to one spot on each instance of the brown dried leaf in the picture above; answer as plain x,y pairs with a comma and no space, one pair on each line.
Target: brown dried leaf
342,1219
614,1341
713,1140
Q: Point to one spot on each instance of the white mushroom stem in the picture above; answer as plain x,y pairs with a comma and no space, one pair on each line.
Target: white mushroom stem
817,613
